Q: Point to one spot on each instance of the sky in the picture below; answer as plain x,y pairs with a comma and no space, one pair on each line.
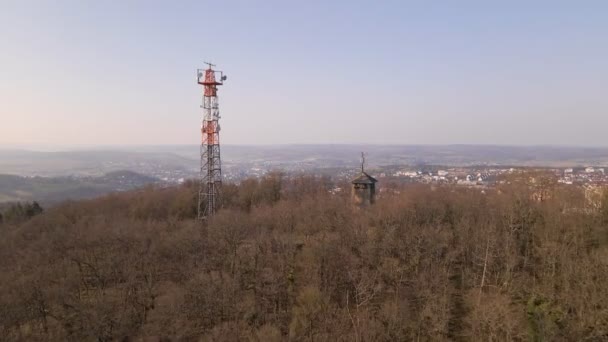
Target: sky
305,72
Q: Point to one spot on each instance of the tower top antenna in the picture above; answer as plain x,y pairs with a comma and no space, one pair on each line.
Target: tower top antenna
211,65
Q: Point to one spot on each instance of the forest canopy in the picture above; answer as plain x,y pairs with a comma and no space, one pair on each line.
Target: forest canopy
286,259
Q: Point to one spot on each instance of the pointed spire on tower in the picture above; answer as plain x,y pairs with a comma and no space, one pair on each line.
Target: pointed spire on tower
362,161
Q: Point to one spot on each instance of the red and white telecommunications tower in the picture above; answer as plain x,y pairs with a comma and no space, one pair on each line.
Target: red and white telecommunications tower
209,195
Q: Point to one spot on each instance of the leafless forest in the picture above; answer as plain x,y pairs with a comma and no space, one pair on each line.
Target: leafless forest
286,260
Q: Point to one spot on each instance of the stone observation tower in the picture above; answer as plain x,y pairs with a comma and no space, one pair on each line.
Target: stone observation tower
364,187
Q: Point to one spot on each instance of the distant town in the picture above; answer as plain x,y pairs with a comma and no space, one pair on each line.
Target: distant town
56,176
475,176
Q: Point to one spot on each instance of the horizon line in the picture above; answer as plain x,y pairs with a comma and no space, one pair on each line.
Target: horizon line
68,147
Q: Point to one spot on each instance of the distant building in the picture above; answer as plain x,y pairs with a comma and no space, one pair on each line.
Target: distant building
364,187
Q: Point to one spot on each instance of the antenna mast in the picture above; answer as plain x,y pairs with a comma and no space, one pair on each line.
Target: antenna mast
209,195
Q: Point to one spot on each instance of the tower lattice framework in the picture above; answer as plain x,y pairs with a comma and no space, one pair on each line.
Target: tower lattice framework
209,195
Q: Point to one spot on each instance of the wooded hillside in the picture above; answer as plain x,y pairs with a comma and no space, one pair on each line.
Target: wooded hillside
287,260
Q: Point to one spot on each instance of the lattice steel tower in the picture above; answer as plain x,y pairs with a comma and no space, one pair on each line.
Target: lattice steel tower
209,194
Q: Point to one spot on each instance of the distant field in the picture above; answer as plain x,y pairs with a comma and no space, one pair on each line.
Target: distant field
9,198
48,190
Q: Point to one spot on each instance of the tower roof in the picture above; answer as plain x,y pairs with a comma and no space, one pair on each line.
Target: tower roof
364,178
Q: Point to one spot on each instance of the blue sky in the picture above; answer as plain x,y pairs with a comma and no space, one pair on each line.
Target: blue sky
385,72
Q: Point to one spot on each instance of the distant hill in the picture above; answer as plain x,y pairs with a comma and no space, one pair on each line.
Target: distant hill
49,190
337,155
89,162
428,154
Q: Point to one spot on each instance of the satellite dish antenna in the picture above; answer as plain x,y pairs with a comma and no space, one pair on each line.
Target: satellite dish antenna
224,77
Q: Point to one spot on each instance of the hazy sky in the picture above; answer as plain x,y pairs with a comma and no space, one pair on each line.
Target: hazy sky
124,72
